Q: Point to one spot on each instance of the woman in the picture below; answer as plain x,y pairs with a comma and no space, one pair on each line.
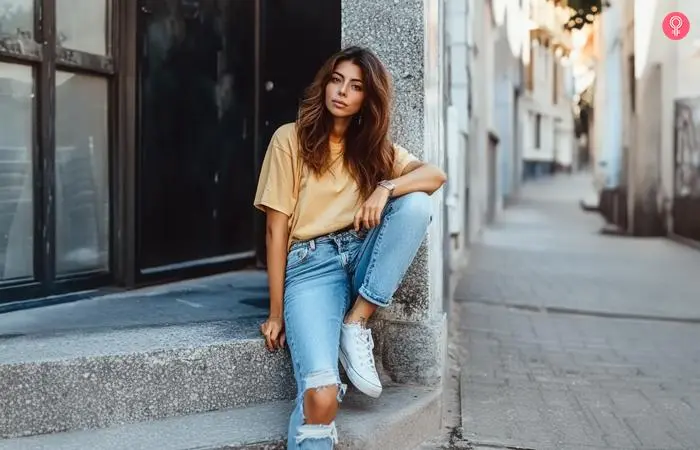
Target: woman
346,213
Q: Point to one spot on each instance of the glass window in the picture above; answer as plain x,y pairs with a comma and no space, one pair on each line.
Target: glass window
16,207
82,25
16,21
82,178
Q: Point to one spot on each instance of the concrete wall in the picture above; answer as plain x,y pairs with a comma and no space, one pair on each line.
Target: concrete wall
673,68
408,37
635,101
492,200
483,43
509,36
457,123
609,74
504,94
479,34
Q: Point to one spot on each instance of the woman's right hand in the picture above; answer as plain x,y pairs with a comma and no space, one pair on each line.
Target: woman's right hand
273,330
276,238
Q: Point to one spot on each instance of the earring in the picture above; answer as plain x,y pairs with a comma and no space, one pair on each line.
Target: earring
359,119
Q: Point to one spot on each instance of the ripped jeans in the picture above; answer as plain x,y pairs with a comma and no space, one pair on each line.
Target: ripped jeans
323,277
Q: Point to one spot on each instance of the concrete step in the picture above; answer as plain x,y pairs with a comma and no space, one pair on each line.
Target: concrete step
129,357
96,378
402,418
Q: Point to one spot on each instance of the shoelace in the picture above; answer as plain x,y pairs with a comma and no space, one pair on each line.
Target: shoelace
364,339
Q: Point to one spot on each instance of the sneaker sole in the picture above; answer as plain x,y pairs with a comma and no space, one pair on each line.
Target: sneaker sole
360,383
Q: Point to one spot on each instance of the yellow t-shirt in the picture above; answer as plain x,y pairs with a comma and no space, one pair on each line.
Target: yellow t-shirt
315,205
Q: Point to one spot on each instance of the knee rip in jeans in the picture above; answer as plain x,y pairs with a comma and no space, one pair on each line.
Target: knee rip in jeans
319,381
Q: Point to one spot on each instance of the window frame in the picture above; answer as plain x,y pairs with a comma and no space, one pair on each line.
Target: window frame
45,58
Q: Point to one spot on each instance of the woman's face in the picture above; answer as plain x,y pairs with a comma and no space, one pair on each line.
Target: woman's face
345,91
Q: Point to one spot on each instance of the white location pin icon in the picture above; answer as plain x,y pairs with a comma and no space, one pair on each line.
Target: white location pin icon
675,22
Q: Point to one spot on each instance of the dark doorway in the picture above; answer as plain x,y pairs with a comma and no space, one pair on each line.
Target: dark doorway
217,77
197,117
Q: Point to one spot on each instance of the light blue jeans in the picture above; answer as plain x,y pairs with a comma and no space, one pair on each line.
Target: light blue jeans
323,277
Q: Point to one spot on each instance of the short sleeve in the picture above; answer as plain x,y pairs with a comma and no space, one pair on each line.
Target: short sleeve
402,159
276,183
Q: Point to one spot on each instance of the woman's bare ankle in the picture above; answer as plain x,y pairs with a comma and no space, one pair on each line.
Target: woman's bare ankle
360,312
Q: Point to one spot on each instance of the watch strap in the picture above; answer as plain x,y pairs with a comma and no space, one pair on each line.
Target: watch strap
388,185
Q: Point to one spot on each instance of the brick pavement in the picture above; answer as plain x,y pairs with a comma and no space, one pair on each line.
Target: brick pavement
573,340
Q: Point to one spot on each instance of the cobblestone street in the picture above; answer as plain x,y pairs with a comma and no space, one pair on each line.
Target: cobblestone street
574,340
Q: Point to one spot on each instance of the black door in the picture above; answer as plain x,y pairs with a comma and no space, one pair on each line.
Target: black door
297,36
196,176
217,77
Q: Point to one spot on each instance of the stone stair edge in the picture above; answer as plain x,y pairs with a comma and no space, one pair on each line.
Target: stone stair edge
405,415
95,380
116,341
132,374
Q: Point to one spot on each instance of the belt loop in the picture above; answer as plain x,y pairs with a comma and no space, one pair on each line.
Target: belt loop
312,245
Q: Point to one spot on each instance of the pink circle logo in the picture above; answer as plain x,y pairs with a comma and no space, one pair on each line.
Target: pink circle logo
676,26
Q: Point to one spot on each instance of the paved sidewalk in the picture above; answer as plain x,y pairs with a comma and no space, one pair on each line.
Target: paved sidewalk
574,340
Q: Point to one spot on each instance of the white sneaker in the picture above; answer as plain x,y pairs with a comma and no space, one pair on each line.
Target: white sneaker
356,356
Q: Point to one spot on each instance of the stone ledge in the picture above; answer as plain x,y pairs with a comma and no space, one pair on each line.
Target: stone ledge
90,380
170,359
414,352
402,417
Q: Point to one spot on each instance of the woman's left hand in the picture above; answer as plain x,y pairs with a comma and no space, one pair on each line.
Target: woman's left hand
370,213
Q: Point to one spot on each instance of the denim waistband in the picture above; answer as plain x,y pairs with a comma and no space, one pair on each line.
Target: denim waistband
344,235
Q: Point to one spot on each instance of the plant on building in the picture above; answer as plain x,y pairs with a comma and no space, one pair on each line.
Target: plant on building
584,12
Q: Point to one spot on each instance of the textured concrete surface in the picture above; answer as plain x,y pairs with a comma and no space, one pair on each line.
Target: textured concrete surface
547,254
231,296
573,340
449,435
401,418
128,357
404,36
414,352
410,300
86,380
395,32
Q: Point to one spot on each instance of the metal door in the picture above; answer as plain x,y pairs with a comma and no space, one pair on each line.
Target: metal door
196,171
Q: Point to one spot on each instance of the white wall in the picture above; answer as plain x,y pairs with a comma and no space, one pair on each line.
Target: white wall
609,96
473,27
478,22
511,23
679,62
457,122
434,83
680,65
469,42
539,101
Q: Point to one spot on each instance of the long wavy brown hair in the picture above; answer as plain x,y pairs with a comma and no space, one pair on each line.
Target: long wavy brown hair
369,155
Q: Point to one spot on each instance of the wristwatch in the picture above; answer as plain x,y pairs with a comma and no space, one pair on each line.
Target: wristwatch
388,185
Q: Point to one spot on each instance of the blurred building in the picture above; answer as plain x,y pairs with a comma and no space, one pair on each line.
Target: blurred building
548,128
647,120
